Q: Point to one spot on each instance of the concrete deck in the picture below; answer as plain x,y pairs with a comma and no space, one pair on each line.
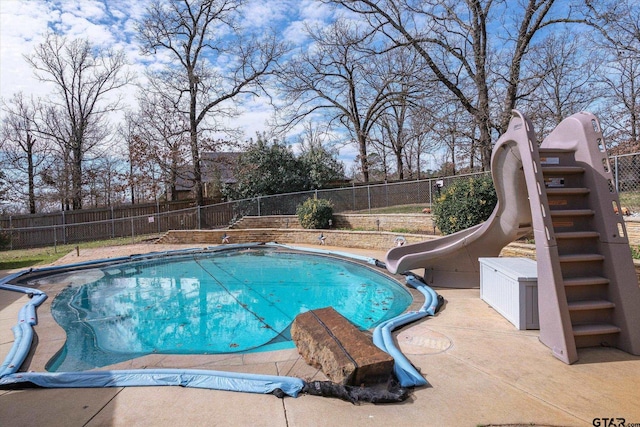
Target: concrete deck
482,370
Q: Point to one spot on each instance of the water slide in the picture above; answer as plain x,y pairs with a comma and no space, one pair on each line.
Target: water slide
452,261
563,190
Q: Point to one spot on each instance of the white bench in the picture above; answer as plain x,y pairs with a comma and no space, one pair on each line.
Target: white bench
510,286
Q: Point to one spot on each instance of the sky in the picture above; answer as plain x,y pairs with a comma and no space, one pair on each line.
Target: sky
24,23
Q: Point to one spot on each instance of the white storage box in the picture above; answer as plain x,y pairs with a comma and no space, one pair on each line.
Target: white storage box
510,286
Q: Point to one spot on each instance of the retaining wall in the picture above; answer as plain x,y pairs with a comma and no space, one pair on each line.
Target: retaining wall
346,238
286,229
395,223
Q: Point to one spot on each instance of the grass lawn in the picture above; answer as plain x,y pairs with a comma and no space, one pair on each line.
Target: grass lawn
25,258
402,209
630,199
626,199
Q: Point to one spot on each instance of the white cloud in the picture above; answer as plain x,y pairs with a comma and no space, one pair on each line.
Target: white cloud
261,14
90,10
24,24
310,13
111,23
21,29
73,26
312,10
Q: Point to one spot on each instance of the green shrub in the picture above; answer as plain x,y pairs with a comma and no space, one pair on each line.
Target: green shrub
4,240
464,203
635,252
315,213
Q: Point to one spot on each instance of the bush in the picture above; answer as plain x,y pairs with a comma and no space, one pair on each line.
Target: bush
315,213
4,240
464,203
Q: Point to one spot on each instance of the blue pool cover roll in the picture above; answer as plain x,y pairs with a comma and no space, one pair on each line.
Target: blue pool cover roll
218,380
407,374
194,378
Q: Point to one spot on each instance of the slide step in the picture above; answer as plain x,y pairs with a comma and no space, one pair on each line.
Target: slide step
586,281
572,212
595,329
577,235
590,305
581,258
548,150
567,191
568,170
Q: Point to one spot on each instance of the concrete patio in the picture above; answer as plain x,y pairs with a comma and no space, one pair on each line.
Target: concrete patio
481,370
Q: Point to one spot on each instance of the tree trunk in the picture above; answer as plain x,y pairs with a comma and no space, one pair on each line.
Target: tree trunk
76,178
31,172
364,162
173,176
197,172
399,164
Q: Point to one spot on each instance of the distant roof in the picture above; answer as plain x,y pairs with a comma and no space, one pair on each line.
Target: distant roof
223,162
212,164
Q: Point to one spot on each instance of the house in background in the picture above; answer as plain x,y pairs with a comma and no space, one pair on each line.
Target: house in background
218,168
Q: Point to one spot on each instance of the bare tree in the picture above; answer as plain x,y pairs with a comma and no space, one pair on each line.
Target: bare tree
622,81
419,141
338,79
618,21
409,88
103,179
394,135
426,126
127,134
453,39
164,132
24,152
569,80
57,175
3,192
618,37
85,79
213,62
452,130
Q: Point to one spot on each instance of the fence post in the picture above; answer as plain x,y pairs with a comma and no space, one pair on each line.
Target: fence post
199,219
10,232
64,229
26,236
353,191
615,161
158,214
386,194
113,225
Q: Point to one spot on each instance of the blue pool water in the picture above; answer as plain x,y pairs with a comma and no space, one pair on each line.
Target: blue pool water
212,303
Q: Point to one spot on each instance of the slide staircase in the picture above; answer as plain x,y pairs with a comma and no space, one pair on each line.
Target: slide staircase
588,294
587,287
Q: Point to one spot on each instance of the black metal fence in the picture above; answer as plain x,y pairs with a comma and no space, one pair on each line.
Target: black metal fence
152,219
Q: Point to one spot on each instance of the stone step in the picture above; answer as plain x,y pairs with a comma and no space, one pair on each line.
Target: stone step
346,355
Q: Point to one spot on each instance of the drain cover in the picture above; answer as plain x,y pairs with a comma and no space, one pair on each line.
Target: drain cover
420,340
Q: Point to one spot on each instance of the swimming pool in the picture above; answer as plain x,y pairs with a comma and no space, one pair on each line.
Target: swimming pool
236,300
